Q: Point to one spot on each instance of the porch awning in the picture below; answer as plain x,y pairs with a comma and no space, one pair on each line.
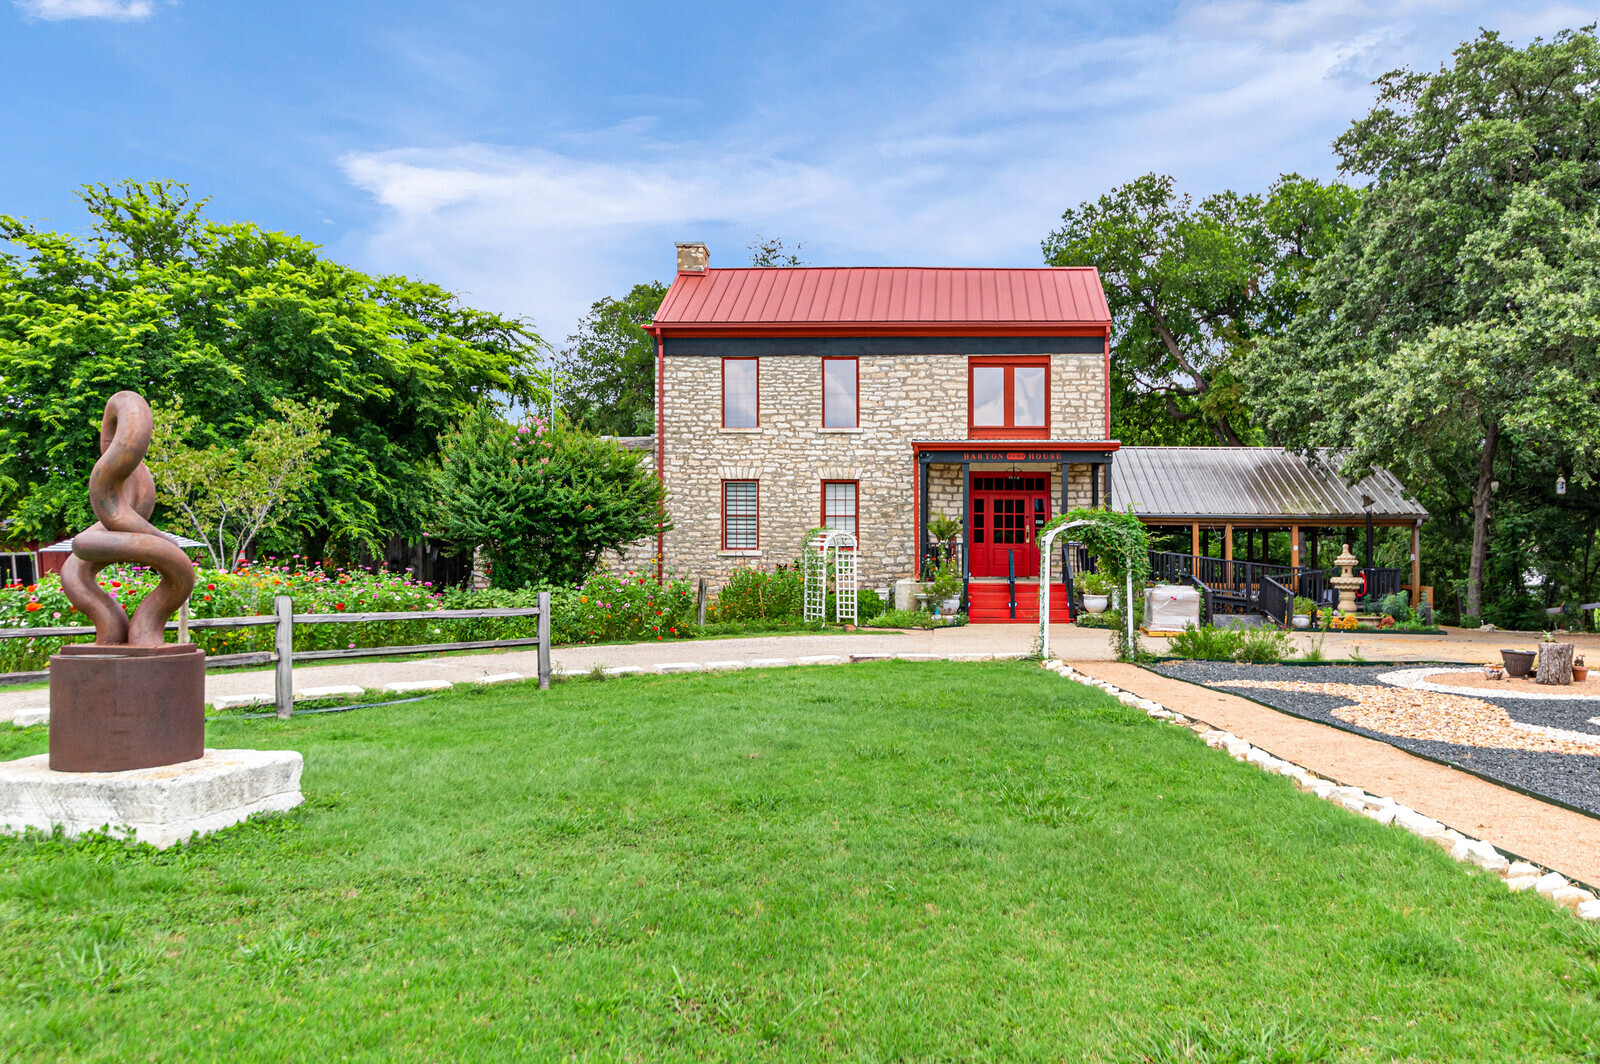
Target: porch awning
1244,485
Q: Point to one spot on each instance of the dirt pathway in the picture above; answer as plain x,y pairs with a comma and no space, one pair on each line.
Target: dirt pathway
1556,838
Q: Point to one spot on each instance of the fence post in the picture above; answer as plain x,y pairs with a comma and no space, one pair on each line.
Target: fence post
183,622
283,643
544,640
700,603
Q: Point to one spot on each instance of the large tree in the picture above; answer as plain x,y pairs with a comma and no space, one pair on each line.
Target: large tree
1460,315
1191,287
229,319
610,364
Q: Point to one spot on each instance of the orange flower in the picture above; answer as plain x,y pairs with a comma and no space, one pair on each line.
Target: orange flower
30,607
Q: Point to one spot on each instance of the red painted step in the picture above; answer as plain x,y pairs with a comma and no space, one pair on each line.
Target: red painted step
991,604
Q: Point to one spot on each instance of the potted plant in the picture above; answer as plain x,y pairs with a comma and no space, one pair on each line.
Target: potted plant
1493,670
1096,591
945,588
943,529
1303,609
1580,671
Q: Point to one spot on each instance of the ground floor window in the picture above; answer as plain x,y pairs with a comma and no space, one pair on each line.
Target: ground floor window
839,505
740,524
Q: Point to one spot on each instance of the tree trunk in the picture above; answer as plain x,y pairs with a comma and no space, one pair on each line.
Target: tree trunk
1555,663
1480,521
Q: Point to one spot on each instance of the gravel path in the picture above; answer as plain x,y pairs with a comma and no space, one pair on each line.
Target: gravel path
1490,743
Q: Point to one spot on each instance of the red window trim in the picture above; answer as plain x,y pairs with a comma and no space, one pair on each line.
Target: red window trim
1008,431
823,502
724,508
740,358
840,358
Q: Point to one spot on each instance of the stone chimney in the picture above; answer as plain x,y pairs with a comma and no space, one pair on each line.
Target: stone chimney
693,258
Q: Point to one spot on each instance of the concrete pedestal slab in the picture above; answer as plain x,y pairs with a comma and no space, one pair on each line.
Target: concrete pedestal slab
162,805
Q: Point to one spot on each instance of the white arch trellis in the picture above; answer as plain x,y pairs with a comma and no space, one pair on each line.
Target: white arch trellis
1045,551
843,545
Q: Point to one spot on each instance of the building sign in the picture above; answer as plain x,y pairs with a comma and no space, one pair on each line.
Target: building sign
1029,456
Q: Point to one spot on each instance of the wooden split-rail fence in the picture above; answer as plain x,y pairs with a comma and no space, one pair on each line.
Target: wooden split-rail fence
283,655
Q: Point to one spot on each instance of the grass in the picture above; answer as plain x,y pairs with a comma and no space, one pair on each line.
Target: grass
887,861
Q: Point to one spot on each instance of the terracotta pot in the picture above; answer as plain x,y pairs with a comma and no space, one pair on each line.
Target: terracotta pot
1580,673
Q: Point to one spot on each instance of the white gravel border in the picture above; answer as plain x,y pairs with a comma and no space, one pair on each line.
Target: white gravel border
1412,679
1516,874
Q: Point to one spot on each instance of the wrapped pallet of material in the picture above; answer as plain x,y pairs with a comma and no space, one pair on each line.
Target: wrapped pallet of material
1168,607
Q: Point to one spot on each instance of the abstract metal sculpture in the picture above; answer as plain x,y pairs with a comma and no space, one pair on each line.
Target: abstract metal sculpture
127,700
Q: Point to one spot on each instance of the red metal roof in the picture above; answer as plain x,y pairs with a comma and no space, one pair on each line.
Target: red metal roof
878,298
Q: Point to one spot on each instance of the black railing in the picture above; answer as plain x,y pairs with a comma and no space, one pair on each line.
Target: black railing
1011,580
935,554
1276,601
1206,613
1241,583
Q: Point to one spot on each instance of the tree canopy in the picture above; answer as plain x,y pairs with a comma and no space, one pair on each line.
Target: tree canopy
1456,323
610,363
231,318
1191,287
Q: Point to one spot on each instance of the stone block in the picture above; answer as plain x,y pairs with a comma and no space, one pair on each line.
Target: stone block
1571,897
1549,883
871,656
336,691
1520,869
27,718
404,687
161,805
1521,883
919,657
820,659
724,666
1382,814
768,663
497,677
679,666
1588,910
624,670
239,701
1066,670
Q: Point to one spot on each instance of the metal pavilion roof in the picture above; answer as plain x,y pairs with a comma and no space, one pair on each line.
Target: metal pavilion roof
876,297
65,546
1246,483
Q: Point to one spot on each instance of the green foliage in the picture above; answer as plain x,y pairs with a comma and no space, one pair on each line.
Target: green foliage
869,605
1192,287
947,580
227,494
942,528
1231,644
230,318
1093,583
757,593
544,503
914,619
610,364
1118,540
1396,605
1454,323
1303,606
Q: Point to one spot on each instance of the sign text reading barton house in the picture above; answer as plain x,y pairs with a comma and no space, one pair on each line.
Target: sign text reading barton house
1022,456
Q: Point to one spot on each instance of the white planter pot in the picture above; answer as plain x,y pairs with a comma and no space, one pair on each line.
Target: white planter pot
950,606
1302,620
1096,604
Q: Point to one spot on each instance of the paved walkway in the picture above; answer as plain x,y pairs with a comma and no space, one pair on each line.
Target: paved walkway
1542,833
1066,641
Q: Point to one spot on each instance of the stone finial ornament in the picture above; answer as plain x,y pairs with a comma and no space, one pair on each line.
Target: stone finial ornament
123,494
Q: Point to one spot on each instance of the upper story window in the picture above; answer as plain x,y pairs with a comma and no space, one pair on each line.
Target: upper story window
1009,397
839,393
740,393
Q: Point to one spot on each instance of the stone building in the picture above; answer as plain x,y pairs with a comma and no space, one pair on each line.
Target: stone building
870,399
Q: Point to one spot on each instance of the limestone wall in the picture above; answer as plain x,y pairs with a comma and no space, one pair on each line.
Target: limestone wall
901,399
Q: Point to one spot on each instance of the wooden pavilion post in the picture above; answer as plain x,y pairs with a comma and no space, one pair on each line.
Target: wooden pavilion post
1294,546
1195,534
1227,551
1416,564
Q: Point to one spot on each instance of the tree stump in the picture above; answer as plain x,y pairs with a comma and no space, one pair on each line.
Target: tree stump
1555,663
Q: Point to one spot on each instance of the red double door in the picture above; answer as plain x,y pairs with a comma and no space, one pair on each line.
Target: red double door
1007,512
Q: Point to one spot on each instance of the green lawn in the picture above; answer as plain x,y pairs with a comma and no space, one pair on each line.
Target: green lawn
894,861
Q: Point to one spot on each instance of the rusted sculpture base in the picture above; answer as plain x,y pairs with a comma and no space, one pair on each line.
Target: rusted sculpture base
118,707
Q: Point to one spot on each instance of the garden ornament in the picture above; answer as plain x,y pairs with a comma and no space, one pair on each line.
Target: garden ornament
1346,581
127,700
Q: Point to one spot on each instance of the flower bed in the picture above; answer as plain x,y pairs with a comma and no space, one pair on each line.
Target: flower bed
604,608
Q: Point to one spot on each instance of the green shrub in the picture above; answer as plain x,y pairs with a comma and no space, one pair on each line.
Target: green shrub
1396,605
1263,644
1471,620
1205,644
869,605
1092,584
914,619
757,593
1303,606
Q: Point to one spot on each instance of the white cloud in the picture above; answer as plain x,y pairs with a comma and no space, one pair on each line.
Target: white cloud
61,10
1010,132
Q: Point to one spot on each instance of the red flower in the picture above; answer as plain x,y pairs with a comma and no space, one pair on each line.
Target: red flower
211,587
116,583
338,605
30,607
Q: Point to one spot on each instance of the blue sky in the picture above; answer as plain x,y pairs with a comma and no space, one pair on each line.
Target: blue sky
537,156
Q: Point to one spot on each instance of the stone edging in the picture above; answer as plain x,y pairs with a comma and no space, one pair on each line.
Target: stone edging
1517,875
1412,679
